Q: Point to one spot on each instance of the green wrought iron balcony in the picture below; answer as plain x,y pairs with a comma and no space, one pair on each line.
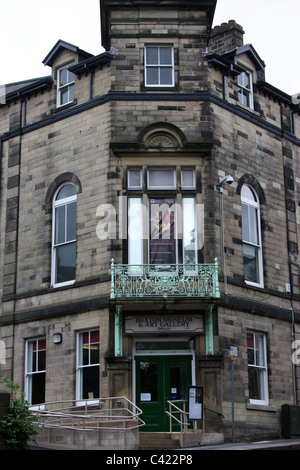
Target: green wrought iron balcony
170,281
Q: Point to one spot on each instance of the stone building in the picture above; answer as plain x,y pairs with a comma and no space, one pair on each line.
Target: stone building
150,222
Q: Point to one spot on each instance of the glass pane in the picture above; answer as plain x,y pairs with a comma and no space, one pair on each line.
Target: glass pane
90,382
189,231
256,383
41,344
65,263
85,355
152,76
38,388
245,223
250,349
71,93
71,76
166,56
94,354
187,178
71,221
135,231
67,190
30,356
161,179
253,225
134,178
166,76
34,362
148,371
250,263
178,372
64,96
259,346
59,225
63,77
247,193
152,55
42,360
150,346
162,231
95,338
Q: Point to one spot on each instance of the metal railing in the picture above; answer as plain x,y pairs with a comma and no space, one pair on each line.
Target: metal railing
83,416
174,280
180,416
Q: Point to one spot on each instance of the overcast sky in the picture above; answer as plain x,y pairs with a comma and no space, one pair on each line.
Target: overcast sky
30,28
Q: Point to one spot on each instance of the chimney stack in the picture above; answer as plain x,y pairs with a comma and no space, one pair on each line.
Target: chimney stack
226,38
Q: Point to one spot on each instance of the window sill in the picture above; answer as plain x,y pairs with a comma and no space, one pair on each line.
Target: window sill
262,407
64,106
247,108
254,284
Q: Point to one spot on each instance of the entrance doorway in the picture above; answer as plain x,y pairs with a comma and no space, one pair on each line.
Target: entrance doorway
159,378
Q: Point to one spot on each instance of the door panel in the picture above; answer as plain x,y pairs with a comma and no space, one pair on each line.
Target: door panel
159,379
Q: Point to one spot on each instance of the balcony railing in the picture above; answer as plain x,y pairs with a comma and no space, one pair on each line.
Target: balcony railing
168,281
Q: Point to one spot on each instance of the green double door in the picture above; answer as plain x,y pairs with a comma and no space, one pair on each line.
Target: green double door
158,379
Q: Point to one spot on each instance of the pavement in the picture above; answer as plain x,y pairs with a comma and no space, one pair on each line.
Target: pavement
277,444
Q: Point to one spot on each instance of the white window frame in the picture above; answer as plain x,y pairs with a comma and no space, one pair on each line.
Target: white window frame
193,186
69,85
246,91
256,206
80,367
162,187
57,204
263,368
130,186
159,66
29,374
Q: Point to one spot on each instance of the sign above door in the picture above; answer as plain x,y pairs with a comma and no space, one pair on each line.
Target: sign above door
163,324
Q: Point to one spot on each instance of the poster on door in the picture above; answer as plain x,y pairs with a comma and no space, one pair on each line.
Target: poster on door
195,403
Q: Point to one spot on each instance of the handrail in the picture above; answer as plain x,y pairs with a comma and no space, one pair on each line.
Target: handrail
214,411
173,280
183,419
101,418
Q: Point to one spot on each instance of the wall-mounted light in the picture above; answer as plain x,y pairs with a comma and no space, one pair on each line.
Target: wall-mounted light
57,338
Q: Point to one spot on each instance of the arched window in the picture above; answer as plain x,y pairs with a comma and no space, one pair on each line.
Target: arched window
252,249
64,235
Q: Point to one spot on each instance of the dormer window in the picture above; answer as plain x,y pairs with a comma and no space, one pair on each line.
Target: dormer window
65,86
245,89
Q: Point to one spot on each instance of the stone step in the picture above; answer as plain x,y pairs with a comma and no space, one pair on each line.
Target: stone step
158,440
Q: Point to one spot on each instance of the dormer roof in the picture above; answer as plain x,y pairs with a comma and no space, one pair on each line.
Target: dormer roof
49,59
251,52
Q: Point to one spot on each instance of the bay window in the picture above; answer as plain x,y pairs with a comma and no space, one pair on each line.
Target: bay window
162,228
